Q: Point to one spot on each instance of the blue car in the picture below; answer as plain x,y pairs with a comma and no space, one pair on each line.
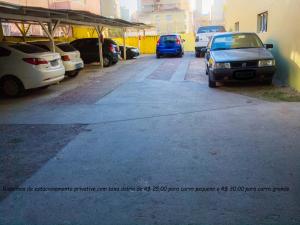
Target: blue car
170,45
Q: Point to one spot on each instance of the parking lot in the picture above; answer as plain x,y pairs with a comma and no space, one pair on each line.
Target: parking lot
148,123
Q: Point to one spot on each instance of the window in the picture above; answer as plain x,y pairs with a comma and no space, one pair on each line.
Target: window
169,17
262,22
26,48
211,29
236,41
237,26
66,47
4,52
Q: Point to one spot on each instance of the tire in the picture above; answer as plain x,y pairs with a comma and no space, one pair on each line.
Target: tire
45,87
11,87
106,61
197,54
206,71
211,83
158,55
268,82
201,54
73,73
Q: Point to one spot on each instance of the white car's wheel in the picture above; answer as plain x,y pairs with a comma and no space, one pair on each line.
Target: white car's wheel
11,87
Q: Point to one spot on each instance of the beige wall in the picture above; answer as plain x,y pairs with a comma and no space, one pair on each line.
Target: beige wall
283,31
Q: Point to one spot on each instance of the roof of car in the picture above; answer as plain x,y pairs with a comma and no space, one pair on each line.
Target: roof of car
227,33
169,35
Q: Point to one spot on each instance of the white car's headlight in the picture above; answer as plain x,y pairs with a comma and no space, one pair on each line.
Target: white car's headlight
265,63
221,66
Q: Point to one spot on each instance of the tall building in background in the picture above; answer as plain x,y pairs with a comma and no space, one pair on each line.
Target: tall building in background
92,6
215,15
110,8
86,5
217,12
168,16
125,13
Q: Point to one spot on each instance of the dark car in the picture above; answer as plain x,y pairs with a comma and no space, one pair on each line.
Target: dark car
170,45
234,57
89,50
131,52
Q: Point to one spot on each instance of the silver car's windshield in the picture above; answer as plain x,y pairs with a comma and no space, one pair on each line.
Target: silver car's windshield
236,41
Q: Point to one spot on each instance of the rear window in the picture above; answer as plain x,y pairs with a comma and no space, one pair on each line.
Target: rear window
42,46
170,38
66,47
211,29
26,48
109,41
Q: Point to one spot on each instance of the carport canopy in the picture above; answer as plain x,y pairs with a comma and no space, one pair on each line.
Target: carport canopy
50,19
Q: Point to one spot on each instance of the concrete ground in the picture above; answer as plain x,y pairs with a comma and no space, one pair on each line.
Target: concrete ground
147,142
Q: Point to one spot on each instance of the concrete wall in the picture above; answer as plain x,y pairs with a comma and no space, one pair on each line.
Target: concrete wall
283,31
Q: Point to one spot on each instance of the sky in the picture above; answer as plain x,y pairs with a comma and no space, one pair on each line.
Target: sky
132,4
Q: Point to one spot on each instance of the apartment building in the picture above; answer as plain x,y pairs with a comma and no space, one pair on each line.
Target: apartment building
35,30
86,5
110,8
276,22
168,16
214,15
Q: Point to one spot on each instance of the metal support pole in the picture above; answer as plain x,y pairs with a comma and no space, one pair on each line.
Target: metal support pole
124,43
49,34
23,30
1,32
99,30
139,41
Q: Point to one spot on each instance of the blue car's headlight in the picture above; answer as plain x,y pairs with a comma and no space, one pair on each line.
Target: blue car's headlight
266,63
221,66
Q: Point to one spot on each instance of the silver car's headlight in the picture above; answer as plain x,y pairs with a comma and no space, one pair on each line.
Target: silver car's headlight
265,63
221,66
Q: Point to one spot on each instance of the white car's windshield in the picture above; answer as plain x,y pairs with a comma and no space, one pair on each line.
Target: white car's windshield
236,41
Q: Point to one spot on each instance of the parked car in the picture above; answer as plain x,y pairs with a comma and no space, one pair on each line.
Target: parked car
69,55
239,57
170,45
131,52
89,50
203,36
24,66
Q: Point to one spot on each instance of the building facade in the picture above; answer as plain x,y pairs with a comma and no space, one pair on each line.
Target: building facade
85,5
276,22
214,16
92,6
167,16
110,8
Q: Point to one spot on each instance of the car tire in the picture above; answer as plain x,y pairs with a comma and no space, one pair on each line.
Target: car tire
206,71
268,82
106,61
201,54
211,83
197,54
73,73
11,87
158,56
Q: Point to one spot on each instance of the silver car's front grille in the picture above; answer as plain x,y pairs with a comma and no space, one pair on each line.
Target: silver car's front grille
245,64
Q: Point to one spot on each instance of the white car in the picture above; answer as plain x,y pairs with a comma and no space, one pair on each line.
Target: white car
203,36
69,55
25,66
